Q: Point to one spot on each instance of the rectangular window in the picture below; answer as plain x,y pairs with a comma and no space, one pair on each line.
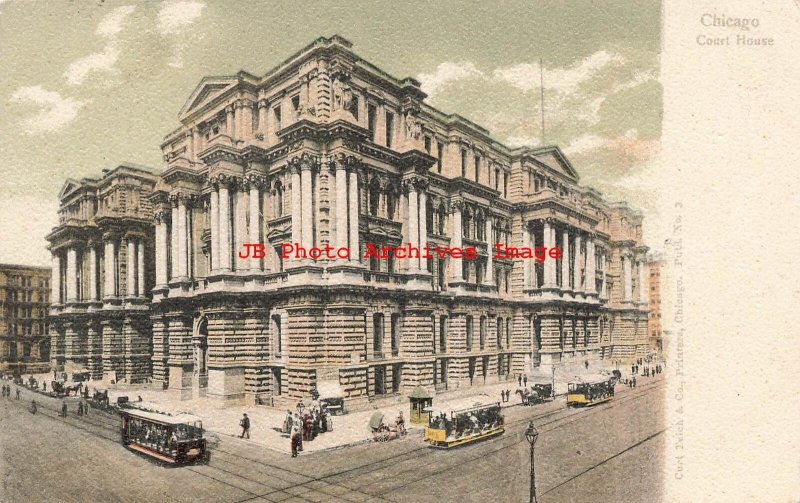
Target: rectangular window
295,107
276,113
395,334
442,334
428,144
463,163
354,107
439,155
371,112
469,333
483,332
496,178
505,185
389,129
377,335
477,168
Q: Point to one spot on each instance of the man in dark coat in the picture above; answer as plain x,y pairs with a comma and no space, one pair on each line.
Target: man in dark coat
245,424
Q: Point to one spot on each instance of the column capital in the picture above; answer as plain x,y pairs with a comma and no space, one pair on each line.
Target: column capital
456,205
304,161
342,160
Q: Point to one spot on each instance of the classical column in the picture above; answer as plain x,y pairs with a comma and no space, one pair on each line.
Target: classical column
140,291
456,264
642,286
130,272
161,250
224,228
413,222
423,228
173,248
229,125
72,274
306,181
109,289
263,117
341,206
627,279
591,268
565,261
355,251
214,208
92,272
489,280
190,144
182,239
241,197
254,229
578,265
526,270
297,217
548,235
55,280
380,125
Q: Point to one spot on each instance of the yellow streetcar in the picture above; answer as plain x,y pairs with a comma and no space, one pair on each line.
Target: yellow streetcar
585,393
465,426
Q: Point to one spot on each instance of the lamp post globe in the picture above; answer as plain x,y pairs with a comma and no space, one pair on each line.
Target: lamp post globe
531,434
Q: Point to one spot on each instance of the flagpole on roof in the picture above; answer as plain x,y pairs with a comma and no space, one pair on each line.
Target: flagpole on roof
541,86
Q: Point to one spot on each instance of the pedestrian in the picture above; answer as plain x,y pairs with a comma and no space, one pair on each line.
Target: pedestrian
519,380
586,364
33,407
44,387
634,381
245,424
295,441
63,409
86,408
80,408
633,369
17,390
525,380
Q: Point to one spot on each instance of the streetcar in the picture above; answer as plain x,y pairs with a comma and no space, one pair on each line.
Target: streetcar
590,392
465,426
174,440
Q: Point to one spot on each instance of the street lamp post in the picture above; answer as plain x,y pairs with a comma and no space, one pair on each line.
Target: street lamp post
531,434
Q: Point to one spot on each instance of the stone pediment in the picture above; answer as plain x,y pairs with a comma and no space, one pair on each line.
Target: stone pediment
553,159
208,89
68,188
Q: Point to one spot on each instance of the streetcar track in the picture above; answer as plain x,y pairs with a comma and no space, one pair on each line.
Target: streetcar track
504,445
605,406
104,424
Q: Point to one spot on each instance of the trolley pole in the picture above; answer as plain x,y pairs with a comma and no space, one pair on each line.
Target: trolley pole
531,434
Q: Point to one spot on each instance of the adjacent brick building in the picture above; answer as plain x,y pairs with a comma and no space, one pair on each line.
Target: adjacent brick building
24,328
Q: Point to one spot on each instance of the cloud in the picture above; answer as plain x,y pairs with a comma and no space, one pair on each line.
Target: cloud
55,111
79,70
527,77
113,22
627,146
103,62
522,141
447,73
174,16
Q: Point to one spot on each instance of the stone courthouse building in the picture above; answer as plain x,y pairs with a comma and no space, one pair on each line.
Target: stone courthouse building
327,149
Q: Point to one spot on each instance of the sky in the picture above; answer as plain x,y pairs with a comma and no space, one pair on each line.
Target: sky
87,85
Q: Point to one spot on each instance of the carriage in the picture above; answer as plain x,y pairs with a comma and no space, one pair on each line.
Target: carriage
167,439
538,393
381,431
464,426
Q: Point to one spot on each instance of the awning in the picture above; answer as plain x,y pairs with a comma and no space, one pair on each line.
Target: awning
420,393
329,389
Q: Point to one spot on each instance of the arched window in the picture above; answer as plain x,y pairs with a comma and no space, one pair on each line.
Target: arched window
277,200
374,197
480,226
429,215
466,224
391,200
441,213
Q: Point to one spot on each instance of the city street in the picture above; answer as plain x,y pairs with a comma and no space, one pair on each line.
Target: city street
610,452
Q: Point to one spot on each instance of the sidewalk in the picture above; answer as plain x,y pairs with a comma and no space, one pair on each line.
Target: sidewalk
223,418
